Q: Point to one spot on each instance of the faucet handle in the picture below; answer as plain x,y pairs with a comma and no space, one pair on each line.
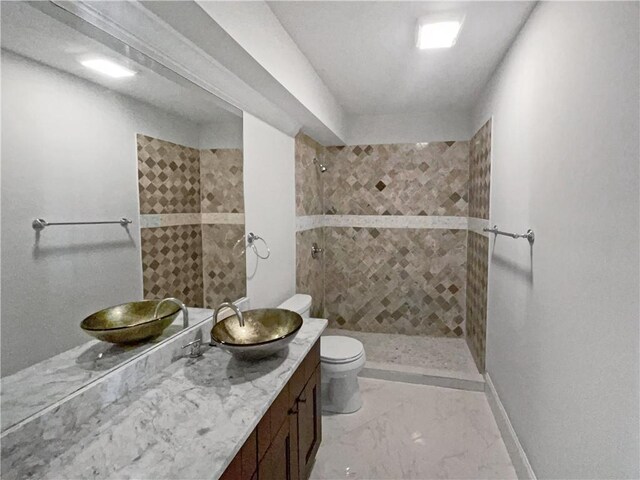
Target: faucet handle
195,351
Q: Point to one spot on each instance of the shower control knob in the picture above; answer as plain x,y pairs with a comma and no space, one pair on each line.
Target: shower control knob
316,251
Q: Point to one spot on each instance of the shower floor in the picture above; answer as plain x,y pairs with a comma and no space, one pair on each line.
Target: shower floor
429,360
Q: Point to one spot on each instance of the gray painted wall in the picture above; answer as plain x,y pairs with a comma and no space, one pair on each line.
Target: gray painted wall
562,344
270,211
68,153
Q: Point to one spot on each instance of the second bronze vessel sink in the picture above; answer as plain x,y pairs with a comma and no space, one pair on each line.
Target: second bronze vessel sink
265,332
131,322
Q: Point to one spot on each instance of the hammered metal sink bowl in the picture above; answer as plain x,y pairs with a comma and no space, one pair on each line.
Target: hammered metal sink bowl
266,331
130,323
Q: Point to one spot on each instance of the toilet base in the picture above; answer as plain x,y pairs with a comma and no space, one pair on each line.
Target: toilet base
341,395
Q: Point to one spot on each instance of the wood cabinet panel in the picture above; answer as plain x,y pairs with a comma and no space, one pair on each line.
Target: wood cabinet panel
276,464
309,424
284,444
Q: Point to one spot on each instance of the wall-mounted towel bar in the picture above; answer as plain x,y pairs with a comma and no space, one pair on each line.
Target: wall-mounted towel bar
40,223
529,235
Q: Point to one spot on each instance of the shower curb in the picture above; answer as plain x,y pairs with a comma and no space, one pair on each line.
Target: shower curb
420,376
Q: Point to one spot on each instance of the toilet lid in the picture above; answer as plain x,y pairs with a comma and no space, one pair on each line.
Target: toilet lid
339,349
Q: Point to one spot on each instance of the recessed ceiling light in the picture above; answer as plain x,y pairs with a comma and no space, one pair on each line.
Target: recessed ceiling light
109,68
437,32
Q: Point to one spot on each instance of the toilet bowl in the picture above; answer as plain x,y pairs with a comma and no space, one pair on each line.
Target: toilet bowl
341,359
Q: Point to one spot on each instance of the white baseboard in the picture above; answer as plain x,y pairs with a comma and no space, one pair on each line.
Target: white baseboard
516,452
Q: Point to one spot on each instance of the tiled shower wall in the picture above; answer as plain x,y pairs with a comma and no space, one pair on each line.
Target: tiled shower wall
309,183
478,244
408,275
191,206
394,231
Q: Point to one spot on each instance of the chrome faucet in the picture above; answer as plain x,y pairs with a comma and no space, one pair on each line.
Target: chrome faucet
232,307
185,313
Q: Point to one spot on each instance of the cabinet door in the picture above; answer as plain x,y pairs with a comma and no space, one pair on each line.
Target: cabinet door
309,424
277,462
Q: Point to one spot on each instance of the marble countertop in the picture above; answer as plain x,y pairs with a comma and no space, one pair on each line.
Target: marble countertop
188,421
27,392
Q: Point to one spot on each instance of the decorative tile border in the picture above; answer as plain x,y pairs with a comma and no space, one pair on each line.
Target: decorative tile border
223,218
175,219
476,225
396,221
381,221
169,220
309,222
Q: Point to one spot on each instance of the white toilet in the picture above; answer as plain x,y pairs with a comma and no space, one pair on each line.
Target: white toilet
341,359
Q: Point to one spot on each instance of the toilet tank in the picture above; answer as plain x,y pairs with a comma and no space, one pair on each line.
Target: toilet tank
299,303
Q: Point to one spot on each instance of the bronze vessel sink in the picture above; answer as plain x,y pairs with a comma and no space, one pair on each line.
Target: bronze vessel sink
131,322
265,332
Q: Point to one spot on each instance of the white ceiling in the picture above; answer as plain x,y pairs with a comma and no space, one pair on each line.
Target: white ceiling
365,51
36,35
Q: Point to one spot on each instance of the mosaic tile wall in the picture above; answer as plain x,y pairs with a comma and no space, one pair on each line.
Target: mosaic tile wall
478,245
397,280
409,281
172,263
224,266
404,179
310,271
477,279
221,180
168,177
308,177
480,172
195,259
309,187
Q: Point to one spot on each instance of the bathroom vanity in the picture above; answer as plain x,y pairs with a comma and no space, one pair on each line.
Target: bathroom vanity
207,417
286,440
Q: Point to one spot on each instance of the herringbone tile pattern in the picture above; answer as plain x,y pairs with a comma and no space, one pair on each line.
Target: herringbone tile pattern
172,263
397,179
396,280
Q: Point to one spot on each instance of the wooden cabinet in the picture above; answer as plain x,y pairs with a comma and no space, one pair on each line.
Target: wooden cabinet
309,424
284,444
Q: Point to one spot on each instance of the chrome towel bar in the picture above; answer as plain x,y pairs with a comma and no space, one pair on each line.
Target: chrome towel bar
40,223
530,236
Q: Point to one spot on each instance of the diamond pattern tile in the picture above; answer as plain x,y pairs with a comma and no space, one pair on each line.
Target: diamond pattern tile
477,280
172,263
308,176
168,177
309,271
409,281
480,172
399,179
224,264
221,180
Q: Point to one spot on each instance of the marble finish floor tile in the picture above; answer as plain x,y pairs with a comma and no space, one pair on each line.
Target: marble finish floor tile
406,431
436,354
